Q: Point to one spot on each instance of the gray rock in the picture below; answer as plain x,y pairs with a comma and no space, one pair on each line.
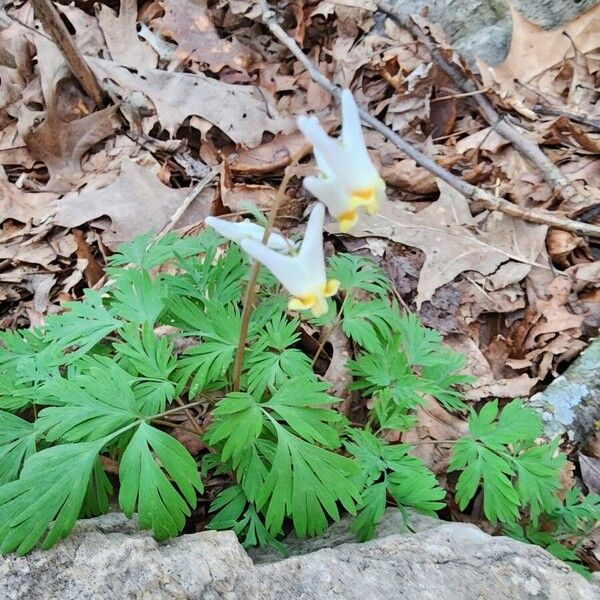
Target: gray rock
571,403
107,558
483,27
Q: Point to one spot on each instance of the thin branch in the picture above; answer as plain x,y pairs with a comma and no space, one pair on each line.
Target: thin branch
53,25
186,203
526,147
251,287
468,190
557,112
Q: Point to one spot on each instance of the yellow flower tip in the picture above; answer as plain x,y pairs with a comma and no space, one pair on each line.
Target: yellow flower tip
331,288
347,220
372,207
363,197
302,303
320,307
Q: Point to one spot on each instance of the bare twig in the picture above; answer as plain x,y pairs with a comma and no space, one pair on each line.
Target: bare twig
468,190
53,25
186,203
557,112
251,287
559,183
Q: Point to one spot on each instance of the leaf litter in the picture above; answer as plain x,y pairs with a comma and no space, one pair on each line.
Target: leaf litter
192,85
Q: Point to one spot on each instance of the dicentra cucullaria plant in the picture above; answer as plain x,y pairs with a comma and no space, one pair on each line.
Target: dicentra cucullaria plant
100,389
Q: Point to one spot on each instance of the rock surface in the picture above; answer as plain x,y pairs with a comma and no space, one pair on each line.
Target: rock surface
483,27
571,403
107,558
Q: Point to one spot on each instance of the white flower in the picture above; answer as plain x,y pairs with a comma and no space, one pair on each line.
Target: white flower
348,180
302,275
236,232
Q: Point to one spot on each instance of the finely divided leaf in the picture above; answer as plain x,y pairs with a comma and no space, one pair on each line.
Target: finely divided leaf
17,443
96,403
49,493
160,478
356,272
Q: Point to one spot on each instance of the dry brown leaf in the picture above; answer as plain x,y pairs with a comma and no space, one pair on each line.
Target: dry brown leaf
188,23
561,244
434,423
553,314
566,131
442,117
445,231
592,447
93,271
23,206
590,472
241,112
485,139
39,253
137,202
337,374
61,145
274,155
533,49
487,385
261,196
122,38
406,175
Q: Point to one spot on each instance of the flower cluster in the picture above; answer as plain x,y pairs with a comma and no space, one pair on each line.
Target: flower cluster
347,184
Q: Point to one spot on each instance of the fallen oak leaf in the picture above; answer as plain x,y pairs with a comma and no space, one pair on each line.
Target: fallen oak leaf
543,49
137,202
121,36
241,111
188,23
590,472
445,231
274,155
24,206
486,384
566,131
434,424
61,145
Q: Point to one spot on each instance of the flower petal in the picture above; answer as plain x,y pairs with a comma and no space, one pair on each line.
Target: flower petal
329,149
236,232
329,192
352,134
310,255
285,268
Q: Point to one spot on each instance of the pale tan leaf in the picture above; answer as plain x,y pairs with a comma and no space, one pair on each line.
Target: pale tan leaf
188,23
241,112
590,472
23,206
61,145
445,231
434,424
122,39
137,202
487,385
533,49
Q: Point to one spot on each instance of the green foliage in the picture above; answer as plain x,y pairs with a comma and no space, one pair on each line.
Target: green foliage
281,450
152,460
103,379
500,453
390,469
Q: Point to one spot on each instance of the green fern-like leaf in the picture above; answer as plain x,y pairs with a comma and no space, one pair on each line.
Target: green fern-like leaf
356,272
17,443
152,465
390,469
48,495
499,451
